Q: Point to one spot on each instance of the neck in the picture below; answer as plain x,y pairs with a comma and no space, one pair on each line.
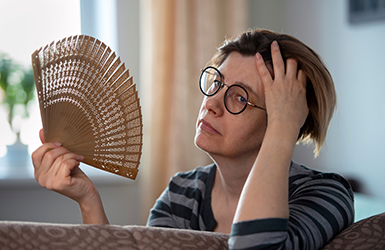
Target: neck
232,175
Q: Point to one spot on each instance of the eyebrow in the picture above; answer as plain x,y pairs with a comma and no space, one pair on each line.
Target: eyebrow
248,88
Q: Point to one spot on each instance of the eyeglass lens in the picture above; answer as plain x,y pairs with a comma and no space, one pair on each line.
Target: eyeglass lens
235,98
210,81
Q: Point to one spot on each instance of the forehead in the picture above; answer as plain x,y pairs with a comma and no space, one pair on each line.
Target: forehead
239,69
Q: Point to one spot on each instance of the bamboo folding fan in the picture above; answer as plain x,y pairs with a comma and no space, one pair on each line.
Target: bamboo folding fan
88,102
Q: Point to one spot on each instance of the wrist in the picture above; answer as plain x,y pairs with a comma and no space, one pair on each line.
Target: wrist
92,210
282,131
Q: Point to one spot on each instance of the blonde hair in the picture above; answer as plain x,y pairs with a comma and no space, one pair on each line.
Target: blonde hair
320,90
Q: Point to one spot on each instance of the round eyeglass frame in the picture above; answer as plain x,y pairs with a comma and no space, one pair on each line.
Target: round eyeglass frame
228,88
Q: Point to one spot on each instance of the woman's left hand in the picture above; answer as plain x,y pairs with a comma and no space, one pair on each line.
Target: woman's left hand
285,92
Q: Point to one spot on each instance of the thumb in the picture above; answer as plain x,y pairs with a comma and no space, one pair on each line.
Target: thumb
41,135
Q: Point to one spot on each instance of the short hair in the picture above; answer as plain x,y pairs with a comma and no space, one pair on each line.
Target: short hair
320,90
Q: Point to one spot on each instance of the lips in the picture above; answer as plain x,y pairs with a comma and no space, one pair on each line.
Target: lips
206,126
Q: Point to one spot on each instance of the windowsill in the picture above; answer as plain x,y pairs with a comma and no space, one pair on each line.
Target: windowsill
16,169
16,176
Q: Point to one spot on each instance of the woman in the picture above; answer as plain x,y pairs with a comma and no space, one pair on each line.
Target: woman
264,92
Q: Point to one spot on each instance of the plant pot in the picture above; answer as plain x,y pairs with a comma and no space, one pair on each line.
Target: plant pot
17,162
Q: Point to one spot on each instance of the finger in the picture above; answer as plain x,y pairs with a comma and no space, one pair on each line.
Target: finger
41,135
263,70
64,159
59,174
48,160
302,77
67,167
71,161
38,154
291,68
278,64
48,178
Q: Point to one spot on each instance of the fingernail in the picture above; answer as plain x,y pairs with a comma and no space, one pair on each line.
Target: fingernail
57,144
275,43
79,157
259,57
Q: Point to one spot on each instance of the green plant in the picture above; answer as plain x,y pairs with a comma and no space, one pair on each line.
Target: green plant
18,86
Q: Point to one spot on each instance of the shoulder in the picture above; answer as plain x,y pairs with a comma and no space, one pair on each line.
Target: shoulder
182,204
322,203
196,173
303,176
327,198
194,178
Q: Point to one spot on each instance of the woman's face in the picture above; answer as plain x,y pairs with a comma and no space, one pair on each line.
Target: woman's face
220,133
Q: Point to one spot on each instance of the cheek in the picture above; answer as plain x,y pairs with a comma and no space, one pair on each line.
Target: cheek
255,130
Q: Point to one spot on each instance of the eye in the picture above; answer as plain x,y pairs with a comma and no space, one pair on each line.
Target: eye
217,83
241,99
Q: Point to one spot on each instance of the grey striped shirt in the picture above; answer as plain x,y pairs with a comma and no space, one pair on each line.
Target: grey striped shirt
321,205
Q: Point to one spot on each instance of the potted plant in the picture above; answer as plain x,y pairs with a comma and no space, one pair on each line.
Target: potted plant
17,85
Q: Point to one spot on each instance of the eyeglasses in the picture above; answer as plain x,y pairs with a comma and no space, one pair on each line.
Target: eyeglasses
236,97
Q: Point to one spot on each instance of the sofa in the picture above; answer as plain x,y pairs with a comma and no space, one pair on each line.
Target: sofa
368,233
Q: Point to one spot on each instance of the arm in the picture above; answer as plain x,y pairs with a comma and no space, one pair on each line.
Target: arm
265,193
321,206
263,213
57,169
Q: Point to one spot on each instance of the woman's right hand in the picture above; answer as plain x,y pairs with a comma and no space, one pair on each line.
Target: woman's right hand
57,169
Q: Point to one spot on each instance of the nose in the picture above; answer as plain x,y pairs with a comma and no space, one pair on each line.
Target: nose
214,104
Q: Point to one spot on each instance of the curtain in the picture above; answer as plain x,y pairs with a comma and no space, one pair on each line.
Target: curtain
178,37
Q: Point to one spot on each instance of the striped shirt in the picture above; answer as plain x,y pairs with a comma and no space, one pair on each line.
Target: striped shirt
321,205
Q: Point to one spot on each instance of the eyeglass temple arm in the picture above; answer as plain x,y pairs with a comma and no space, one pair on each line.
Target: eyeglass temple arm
255,106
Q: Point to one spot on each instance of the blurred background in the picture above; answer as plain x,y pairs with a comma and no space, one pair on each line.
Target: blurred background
165,43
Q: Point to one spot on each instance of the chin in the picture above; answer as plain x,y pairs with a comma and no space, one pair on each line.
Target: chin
197,142
206,146
202,143
205,149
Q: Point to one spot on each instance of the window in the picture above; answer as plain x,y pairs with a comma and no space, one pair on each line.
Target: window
27,26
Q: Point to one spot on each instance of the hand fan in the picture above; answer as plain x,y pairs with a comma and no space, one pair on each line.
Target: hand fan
88,102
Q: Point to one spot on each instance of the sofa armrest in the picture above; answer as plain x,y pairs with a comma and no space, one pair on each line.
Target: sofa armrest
368,233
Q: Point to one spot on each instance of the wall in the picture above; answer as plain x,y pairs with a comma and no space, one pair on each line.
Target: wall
25,200
355,54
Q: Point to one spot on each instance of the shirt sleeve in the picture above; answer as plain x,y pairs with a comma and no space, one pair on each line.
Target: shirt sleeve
319,209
